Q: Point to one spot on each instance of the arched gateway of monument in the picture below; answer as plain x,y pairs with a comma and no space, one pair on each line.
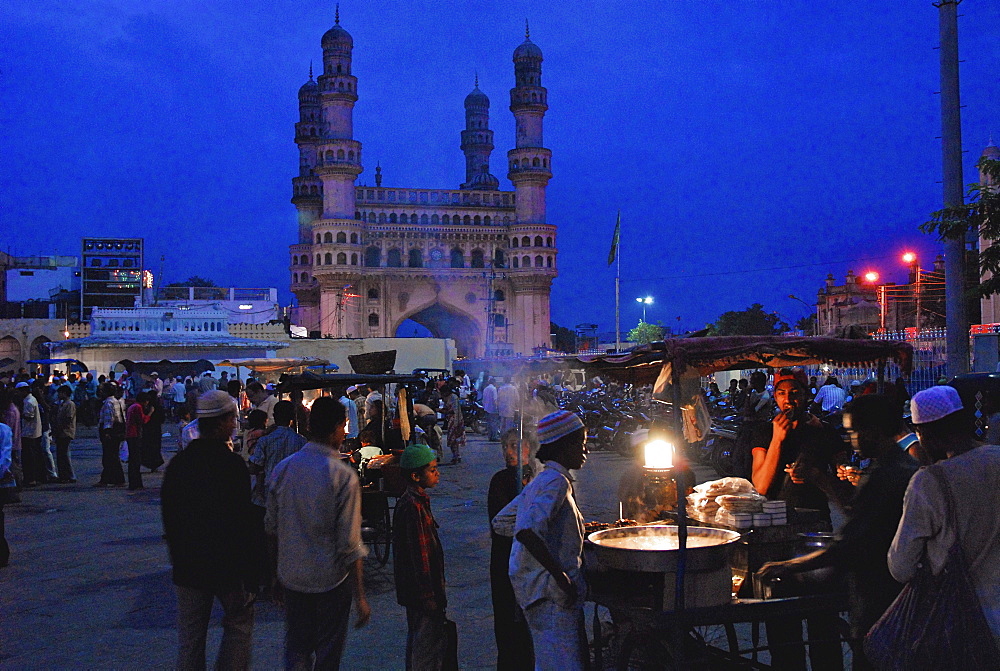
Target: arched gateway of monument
475,263
444,321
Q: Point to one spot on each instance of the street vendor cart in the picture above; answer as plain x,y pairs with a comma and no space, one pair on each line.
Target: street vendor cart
671,582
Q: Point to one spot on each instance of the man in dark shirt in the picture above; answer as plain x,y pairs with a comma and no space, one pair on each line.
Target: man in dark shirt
874,514
793,455
514,649
210,531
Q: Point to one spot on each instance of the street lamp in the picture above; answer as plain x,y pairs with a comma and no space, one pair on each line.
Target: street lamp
648,300
812,310
911,259
872,277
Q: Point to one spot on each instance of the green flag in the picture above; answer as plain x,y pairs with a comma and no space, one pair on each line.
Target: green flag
614,241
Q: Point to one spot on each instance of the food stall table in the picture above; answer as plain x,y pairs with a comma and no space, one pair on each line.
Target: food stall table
759,545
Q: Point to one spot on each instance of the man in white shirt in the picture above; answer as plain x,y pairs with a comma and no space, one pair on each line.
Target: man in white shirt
546,560
261,400
32,452
491,410
507,402
157,383
353,429
178,393
971,470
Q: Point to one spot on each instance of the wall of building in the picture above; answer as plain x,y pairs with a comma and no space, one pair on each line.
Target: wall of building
103,359
26,284
242,305
20,339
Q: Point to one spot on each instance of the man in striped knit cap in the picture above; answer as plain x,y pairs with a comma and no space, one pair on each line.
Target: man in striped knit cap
546,560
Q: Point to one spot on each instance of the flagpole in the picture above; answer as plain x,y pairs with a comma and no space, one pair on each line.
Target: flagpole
613,255
618,281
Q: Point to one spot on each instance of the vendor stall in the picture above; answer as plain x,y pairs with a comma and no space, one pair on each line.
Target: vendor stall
141,371
72,365
674,368
279,365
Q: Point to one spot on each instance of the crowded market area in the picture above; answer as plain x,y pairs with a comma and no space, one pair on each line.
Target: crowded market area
763,524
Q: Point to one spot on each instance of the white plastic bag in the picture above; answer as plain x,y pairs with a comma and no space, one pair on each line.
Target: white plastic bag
714,488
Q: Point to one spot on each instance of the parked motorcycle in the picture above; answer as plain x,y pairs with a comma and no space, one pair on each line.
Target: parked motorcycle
474,415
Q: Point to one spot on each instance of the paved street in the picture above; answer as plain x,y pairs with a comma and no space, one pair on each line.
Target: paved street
89,581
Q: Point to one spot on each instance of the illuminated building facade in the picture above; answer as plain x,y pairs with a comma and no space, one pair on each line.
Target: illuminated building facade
474,263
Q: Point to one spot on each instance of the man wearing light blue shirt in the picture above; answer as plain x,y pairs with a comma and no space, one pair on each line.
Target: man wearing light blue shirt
313,522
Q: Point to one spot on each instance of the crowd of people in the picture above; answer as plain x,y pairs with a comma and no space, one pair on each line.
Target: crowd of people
294,535
895,517
251,477
263,500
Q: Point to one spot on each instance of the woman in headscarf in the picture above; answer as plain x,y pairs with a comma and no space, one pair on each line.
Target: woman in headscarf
454,421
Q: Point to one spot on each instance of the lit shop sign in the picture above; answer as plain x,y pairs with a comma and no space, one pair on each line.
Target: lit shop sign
123,279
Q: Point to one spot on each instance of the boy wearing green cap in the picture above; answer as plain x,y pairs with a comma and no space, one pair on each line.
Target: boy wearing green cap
418,561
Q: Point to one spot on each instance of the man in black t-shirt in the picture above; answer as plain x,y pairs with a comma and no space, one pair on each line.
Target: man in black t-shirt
794,454
793,461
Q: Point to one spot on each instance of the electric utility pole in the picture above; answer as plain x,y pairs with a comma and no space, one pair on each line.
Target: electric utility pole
956,319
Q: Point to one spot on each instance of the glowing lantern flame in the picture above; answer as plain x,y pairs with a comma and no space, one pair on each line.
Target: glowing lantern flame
659,454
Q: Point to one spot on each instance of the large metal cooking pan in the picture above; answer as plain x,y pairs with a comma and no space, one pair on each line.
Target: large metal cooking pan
702,558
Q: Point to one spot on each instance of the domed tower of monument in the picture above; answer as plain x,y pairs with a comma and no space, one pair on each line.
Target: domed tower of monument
337,234
340,153
307,191
477,142
528,162
531,237
307,188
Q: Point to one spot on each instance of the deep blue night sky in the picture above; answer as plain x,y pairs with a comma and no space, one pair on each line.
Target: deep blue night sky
752,147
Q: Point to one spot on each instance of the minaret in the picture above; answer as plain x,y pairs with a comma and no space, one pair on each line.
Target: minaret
307,188
477,142
337,234
339,161
529,171
528,163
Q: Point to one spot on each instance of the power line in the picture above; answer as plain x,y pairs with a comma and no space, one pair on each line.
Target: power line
757,270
